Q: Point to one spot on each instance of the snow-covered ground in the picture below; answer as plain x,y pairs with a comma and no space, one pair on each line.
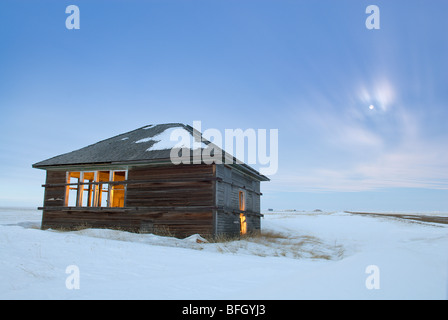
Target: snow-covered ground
303,255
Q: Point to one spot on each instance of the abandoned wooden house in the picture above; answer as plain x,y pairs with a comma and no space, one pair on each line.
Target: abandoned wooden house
129,182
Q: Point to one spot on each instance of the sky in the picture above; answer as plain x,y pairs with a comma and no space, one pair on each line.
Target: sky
361,113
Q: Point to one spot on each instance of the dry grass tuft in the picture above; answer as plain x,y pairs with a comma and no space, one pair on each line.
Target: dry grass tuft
271,243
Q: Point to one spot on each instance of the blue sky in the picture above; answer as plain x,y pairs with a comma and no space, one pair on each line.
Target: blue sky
310,69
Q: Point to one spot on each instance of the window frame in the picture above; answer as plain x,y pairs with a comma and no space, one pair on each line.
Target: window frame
94,189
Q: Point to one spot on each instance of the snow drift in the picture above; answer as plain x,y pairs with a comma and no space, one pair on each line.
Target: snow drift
300,255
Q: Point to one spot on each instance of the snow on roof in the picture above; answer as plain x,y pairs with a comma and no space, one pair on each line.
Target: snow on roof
146,143
169,139
149,143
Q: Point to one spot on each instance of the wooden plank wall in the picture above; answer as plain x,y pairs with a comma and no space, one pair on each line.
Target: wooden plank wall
186,206
171,193
77,218
166,205
55,196
227,220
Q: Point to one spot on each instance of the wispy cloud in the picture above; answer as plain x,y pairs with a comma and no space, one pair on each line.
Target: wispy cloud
368,148
420,168
380,95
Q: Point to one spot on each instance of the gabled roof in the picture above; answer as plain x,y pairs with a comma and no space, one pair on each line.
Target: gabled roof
146,145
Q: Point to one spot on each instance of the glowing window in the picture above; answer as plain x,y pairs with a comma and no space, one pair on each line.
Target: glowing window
72,189
95,189
243,224
242,201
117,193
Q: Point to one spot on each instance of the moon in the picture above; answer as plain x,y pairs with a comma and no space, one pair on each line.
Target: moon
371,107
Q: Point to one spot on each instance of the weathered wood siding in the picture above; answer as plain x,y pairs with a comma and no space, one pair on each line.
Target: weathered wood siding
184,207
55,196
171,190
175,200
82,217
165,222
227,220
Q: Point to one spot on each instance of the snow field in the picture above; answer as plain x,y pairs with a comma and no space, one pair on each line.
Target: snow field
298,256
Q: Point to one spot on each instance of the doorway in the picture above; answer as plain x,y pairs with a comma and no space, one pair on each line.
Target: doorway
242,207
243,224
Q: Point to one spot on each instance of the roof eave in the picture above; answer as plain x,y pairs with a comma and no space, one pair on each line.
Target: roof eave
244,168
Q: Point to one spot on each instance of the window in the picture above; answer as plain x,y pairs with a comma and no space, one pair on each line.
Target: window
242,200
72,189
103,188
95,189
117,193
87,197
